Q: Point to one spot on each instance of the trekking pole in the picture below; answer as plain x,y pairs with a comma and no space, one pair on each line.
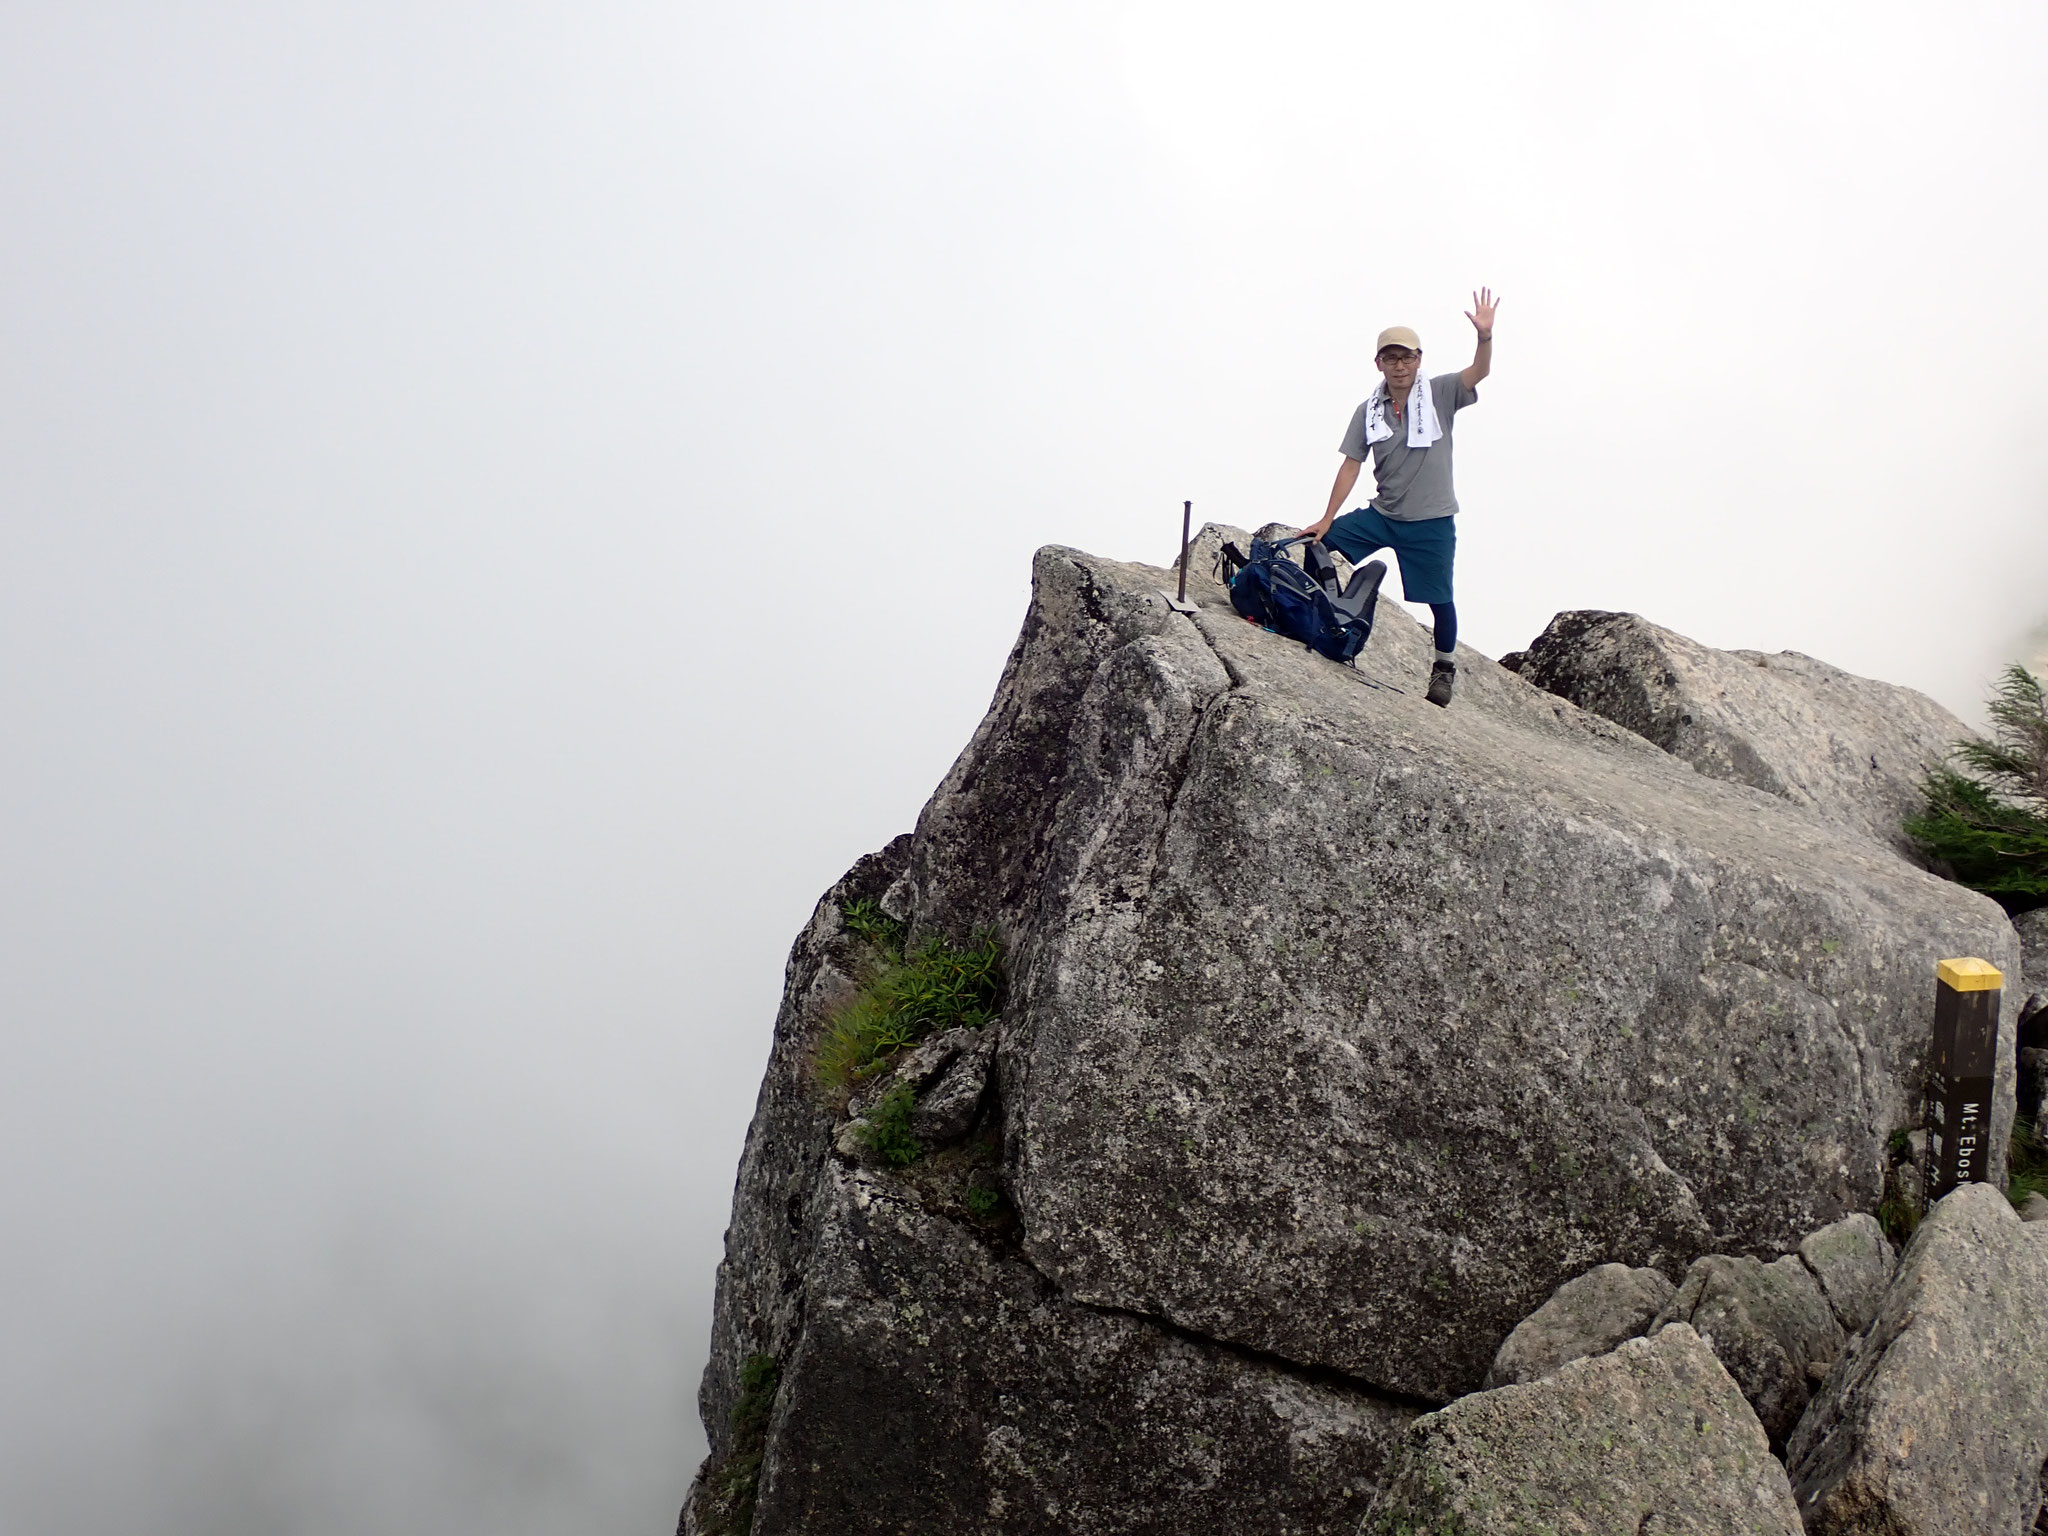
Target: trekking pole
1187,513
1181,604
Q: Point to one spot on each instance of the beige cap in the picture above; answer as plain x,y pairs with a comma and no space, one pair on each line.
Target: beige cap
1397,336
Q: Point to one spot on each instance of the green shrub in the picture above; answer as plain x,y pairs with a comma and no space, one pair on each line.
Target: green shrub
866,921
758,1378
2026,1162
734,1485
903,999
982,1201
887,1132
1989,824
1899,1219
1898,1215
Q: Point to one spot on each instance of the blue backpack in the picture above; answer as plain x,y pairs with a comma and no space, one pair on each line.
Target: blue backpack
1305,604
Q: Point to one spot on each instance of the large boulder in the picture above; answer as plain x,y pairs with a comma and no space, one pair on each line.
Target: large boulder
1341,1031
1586,1316
1346,1028
1935,1423
1653,1437
941,1385
1768,1324
1848,748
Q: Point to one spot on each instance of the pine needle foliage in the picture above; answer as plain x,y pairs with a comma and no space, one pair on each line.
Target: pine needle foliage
905,997
1989,823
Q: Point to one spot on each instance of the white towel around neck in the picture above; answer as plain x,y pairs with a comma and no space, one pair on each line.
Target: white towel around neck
1423,427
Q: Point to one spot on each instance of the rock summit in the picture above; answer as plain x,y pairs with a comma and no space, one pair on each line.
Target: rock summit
1339,1033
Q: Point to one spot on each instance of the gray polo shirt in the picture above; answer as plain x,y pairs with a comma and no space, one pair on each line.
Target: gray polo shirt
1414,483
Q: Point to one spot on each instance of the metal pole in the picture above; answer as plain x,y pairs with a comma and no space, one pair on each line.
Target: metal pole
1960,1073
1187,513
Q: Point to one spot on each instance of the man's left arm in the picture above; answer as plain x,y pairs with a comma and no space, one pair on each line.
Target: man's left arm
1481,316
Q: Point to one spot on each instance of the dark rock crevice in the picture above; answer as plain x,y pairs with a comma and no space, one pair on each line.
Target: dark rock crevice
1320,1375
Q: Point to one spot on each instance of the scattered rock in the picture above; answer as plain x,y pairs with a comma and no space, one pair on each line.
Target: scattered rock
2034,1207
1853,1264
919,1067
1654,1437
1849,748
946,1110
1935,1423
949,1076
1586,1316
1769,1324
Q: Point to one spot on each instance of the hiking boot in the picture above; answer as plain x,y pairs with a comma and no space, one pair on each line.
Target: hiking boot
1442,676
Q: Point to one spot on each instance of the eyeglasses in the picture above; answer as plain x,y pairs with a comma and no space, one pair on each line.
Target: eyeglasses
1391,356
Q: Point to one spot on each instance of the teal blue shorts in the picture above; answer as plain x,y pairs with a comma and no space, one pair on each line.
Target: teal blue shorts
1425,549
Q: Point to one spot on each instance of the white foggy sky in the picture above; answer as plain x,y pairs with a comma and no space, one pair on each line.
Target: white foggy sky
502,503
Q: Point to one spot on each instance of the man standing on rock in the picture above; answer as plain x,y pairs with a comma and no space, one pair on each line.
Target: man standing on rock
1406,426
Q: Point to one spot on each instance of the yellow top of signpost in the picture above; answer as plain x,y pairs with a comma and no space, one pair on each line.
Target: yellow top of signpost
1972,975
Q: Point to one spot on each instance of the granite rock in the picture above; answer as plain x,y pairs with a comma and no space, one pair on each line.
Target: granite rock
942,1385
1346,1029
1653,1437
1586,1316
1935,1423
1770,1326
1205,547
1340,1032
916,1069
2032,928
1853,1264
1848,748
947,1107
773,1230
2032,982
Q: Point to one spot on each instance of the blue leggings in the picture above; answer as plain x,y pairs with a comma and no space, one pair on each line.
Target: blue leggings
1446,616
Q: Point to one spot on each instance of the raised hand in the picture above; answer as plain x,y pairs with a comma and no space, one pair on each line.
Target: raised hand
1481,313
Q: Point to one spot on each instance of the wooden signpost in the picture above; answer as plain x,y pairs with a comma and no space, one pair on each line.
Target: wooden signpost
1960,1073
